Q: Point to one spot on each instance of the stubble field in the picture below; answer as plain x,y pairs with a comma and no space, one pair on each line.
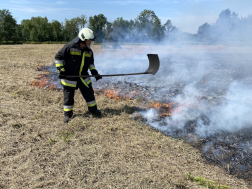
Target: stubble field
112,151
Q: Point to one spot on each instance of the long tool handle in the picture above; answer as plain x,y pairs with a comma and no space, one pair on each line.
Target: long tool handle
76,76
153,68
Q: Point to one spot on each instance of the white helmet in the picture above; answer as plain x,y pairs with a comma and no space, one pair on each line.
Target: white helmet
86,33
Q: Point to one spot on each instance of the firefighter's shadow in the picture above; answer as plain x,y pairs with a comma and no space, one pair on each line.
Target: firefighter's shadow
110,111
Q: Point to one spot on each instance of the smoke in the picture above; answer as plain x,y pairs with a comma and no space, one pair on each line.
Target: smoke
214,92
211,83
118,63
233,116
212,87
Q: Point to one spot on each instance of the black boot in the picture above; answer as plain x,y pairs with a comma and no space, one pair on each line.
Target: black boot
96,112
68,115
66,119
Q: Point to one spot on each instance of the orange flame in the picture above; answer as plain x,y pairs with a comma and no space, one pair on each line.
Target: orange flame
43,82
112,94
117,95
164,109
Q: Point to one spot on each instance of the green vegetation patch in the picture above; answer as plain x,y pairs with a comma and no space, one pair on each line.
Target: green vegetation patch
206,183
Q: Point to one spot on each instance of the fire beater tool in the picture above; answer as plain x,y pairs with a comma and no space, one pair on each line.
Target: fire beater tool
153,68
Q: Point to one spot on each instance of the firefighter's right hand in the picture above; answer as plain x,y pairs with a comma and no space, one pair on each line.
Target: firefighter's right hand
62,74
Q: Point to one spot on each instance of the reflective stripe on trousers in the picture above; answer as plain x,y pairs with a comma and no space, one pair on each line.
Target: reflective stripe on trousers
68,83
91,103
68,108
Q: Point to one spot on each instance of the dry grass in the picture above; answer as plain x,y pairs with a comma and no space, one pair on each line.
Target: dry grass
114,151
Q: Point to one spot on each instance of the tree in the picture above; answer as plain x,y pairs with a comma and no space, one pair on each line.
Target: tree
149,26
121,30
226,23
36,29
97,24
158,31
49,32
204,32
26,26
168,27
56,30
7,25
41,28
82,21
73,26
108,31
34,35
18,34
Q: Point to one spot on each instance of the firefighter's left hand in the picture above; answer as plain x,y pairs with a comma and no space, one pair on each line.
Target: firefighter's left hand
97,78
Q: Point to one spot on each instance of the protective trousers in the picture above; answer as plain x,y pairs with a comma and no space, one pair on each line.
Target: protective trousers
87,93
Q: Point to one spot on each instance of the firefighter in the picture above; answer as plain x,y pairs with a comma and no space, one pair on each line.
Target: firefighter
75,58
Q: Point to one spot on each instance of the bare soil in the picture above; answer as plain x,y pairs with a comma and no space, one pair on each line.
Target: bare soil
112,151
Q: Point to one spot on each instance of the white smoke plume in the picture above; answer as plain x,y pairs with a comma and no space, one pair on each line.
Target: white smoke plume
234,115
202,76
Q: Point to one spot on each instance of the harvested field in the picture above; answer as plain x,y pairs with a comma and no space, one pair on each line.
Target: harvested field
114,151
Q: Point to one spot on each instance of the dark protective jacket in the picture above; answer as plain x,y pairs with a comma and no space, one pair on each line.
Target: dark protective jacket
75,61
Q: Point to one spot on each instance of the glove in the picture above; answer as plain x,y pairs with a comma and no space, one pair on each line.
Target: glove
62,74
97,78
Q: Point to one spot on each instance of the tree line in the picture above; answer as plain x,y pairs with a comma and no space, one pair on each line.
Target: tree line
228,27
147,27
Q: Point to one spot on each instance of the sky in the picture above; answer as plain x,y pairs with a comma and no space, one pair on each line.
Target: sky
186,15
